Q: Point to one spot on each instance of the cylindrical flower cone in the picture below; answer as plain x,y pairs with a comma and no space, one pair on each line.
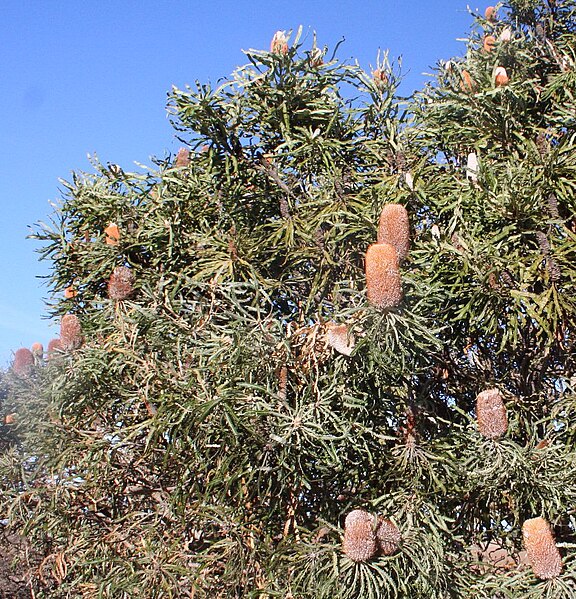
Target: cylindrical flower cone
279,43
491,414
490,14
489,43
37,349
394,228
339,338
70,292
23,361
70,332
501,77
359,542
380,78
112,233
542,553
183,157
121,283
467,84
54,345
383,282
388,536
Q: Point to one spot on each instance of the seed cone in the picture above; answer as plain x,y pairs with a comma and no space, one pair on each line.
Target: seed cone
394,228
70,332
121,283
183,157
112,234
491,414
384,286
388,536
543,555
338,337
359,542
23,361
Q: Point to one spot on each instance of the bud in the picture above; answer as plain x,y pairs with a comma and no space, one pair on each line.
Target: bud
409,180
359,542
70,332
10,418
183,157
112,234
70,292
467,85
472,167
37,349
490,14
316,58
121,283
505,35
388,536
339,338
394,228
279,43
489,43
383,283
543,555
491,414
380,78
23,361
501,77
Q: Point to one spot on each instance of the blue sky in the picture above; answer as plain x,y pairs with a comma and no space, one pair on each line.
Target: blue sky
92,77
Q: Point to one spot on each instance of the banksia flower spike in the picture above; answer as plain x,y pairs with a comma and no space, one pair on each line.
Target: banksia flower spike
380,78
37,349
339,338
70,292
70,332
505,35
279,43
359,542
383,283
54,345
112,234
121,283
23,361
490,14
543,555
388,536
394,228
501,77
489,43
467,84
183,157
491,414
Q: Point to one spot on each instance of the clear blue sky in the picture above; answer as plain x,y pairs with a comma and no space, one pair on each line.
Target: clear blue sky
91,76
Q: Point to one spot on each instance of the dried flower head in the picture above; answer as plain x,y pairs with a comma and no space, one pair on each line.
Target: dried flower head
112,233
383,282
388,536
23,361
542,553
279,43
490,14
182,157
121,283
489,43
359,542
491,414
340,338
70,332
501,77
394,228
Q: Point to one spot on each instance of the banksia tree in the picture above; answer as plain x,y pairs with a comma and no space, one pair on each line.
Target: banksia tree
213,434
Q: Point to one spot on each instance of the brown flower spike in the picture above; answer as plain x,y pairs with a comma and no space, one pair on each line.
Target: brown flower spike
53,346
543,555
183,157
23,361
339,338
388,536
121,283
70,332
491,414
383,283
394,228
359,542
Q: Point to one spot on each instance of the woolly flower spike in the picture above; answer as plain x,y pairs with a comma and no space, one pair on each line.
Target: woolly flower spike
489,43
359,542
501,77
383,283
543,555
183,157
490,14
339,338
23,361
388,536
70,332
112,234
70,292
394,228
37,349
279,43
121,283
53,346
467,84
491,414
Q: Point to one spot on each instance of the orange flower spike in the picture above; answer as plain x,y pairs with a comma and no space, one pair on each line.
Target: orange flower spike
70,292
489,43
383,283
183,157
543,555
380,78
467,84
490,14
394,228
501,77
70,332
279,43
112,234
491,414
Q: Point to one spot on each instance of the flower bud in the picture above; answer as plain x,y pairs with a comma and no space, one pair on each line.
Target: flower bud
501,77
279,43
